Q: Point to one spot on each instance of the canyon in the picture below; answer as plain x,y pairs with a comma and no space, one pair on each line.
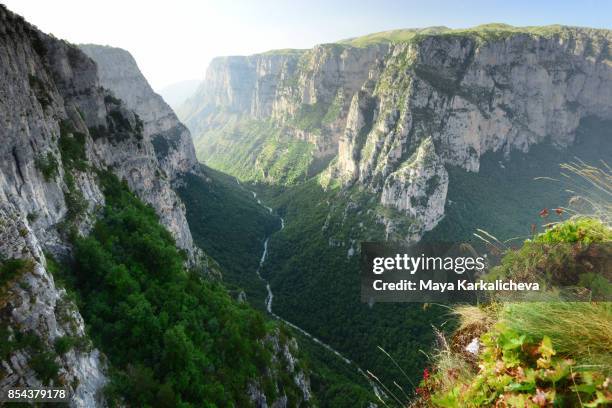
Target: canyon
263,184
390,115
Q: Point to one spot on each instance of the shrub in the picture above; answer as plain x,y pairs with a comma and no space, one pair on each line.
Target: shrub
64,344
75,202
110,99
568,254
98,132
516,372
45,367
583,230
13,268
41,361
72,147
47,165
533,354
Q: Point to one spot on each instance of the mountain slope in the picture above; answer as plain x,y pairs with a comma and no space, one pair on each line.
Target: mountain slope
96,255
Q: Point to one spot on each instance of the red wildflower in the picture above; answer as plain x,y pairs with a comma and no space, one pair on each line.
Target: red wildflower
559,211
544,213
426,374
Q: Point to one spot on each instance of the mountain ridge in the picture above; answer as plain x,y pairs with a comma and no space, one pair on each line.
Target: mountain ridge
367,110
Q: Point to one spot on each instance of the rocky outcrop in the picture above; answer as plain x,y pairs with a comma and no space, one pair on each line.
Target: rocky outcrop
469,96
284,359
491,88
418,188
60,127
171,140
32,307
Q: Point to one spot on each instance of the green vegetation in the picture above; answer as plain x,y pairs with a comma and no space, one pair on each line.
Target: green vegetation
335,384
75,203
74,158
211,201
333,112
579,329
521,372
201,347
42,361
533,354
311,256
40,90
120,127
506,195
44,365
284,51
48,166
72,147
391,36
11,270
256,151
64,344
309,117
583,230
111,100
485,32
562,256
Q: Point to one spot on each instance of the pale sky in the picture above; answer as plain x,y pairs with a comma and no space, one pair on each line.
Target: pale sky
175,40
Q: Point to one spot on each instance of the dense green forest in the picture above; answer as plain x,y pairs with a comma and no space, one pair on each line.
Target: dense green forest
317,286
214,198
313,267
227,223
173,336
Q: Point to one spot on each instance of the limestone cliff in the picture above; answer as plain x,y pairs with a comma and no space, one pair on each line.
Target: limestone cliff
370,103
171,140
307,92
59,127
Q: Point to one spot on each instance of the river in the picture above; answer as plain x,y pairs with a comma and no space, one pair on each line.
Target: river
270,299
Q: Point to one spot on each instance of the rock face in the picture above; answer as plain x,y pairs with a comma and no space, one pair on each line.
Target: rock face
373,106
418,188
59,128
284,359
32,305
119,72
306,91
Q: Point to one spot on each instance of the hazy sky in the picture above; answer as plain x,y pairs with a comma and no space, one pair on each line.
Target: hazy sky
175,40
